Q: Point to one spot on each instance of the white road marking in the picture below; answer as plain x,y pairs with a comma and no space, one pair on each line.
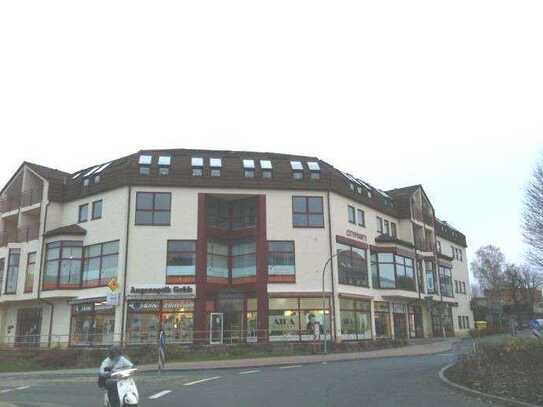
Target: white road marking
202,380
16,388
290,366
249,371
159,394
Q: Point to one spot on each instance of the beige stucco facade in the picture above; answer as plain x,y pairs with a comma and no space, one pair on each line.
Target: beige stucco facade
142,256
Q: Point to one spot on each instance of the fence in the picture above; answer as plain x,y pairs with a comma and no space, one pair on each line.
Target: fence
186,338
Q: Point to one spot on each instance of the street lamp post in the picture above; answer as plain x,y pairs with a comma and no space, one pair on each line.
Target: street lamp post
324,297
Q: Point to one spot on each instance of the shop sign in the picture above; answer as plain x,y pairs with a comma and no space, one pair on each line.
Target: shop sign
177,305
82,308
356,235
144,306
166,290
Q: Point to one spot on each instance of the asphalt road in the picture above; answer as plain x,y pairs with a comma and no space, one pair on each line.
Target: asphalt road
398,381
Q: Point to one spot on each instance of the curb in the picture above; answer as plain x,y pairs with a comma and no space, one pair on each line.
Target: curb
254,363
312,362
441,375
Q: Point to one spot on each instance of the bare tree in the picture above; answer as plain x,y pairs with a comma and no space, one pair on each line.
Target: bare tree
532,218
489,270
514,282
533,281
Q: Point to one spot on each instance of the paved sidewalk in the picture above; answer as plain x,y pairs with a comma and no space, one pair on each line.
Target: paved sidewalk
416,348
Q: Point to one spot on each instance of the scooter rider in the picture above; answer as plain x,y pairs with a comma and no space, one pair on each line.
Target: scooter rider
114,362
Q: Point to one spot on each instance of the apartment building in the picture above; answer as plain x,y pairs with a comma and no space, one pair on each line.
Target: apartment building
222,247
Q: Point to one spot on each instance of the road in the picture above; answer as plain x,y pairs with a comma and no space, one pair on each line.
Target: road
396,381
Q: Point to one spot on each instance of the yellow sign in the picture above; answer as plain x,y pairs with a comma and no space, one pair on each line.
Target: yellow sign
113,285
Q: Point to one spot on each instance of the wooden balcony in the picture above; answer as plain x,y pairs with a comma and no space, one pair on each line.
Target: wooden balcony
24,199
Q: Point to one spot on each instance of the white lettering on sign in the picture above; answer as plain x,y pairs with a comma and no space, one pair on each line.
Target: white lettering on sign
356,235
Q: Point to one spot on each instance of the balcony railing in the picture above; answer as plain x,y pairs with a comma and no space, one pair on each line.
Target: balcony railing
25,198
428,218
417,214
20,235
28,233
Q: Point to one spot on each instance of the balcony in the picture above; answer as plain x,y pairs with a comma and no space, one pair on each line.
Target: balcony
417,214
428,218
21,200
20,235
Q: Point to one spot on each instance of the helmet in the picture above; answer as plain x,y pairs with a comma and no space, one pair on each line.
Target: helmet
114,352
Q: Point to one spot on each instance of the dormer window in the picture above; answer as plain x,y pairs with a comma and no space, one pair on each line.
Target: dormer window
145,164
314,169
197,166
164,163
249,168
297,169
216,165
266,167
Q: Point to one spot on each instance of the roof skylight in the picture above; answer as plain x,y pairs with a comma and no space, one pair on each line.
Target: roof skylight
265,164
296,166
145,159
215,162
248,164
102,168
164,160
91,171
197,162
313,166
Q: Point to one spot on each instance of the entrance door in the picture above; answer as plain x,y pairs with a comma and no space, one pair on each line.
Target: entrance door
27,332
400,326
216,328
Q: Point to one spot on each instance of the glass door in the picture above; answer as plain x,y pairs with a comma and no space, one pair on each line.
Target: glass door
216,328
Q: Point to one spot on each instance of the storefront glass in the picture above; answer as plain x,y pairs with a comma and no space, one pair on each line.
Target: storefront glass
143,322
382,319
293,319
92,324
177,320
355,319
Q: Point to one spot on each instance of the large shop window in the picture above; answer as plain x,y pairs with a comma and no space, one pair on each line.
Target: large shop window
231,215
382,319
431,286
146,318
239,255
392,271
281,258
445,278
307,211
29,276
352,265
355,319
292,319
100,264
244,258
12,274
181,262
92,324
217,259
63,265
153,208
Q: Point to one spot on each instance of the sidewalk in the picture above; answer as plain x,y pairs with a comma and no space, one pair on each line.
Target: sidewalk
417,348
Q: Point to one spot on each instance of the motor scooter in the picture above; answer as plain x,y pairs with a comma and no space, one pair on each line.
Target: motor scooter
125,387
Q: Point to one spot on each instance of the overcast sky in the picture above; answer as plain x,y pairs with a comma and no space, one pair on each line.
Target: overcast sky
446,94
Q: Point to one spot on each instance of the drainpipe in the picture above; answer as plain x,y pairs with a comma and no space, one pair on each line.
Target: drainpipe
333,295
125,272
42,263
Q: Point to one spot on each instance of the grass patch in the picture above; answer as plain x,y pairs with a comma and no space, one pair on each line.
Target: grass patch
21,360
512,369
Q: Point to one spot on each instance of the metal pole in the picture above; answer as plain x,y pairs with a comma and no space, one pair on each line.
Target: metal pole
324,298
